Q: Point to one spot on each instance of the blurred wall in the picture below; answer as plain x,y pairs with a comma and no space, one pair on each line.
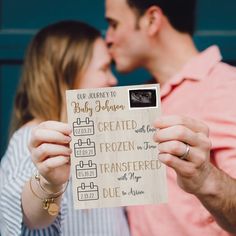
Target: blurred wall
19,20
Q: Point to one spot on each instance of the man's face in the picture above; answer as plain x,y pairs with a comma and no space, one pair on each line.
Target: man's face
125,39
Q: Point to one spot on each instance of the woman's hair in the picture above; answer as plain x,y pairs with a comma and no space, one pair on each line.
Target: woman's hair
56,56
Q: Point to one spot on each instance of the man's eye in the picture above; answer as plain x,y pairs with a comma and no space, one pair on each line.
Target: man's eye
113,25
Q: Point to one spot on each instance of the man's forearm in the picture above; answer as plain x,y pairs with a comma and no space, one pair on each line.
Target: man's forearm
218,196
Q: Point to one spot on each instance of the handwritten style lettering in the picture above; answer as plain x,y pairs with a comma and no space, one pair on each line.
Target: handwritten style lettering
78,108
107,106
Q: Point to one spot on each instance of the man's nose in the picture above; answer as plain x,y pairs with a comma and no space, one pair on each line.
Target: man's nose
109,38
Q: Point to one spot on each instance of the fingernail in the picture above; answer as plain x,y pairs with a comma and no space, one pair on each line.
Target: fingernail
68,139
161,158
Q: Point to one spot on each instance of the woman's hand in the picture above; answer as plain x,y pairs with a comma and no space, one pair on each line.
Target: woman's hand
50,152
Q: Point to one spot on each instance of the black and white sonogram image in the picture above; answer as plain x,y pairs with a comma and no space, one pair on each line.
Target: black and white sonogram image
141,98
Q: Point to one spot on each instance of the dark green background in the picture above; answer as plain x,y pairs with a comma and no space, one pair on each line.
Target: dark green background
19,20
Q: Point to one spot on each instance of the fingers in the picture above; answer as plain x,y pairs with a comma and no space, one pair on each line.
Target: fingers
192,124
183,137
55,171
57,126
181,133
46,150
50,139
175,132
177,149
51,132
52,163
50,152
186,170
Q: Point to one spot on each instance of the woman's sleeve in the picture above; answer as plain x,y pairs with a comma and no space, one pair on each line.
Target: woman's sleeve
16,169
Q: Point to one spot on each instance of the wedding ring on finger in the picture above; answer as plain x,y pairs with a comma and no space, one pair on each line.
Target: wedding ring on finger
186,153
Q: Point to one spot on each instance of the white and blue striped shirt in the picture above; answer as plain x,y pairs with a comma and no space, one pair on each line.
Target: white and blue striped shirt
16,168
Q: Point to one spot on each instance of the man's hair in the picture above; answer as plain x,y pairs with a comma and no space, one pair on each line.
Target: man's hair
181,13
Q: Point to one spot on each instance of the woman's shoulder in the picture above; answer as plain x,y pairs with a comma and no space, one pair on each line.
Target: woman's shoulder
17,151
19,139
25,130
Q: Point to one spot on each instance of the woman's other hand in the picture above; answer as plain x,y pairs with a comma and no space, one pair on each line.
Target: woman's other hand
50,152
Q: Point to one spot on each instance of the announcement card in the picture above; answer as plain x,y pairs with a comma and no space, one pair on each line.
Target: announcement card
115,160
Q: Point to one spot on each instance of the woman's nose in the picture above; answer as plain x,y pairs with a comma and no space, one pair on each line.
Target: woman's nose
112,80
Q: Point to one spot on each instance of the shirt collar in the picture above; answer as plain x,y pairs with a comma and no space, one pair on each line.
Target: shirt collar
196,69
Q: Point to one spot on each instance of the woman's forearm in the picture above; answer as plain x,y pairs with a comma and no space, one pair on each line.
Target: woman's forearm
36,210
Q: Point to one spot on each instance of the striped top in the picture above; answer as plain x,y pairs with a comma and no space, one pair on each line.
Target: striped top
16,168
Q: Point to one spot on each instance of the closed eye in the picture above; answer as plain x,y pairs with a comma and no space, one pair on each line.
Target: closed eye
112,23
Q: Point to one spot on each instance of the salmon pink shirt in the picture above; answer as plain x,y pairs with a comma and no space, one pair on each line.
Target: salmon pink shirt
205,89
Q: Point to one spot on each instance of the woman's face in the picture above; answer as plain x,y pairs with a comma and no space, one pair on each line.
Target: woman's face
98,73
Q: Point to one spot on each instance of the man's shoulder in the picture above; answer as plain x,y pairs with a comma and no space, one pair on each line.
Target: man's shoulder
223,73
225,68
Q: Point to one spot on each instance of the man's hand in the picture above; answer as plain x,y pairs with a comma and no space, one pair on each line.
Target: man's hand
184,146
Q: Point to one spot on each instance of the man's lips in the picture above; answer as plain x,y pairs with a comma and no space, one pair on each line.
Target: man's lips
113,56
111,52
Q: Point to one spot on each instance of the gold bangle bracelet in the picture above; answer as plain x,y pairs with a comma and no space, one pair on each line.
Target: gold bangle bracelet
54,195
48,203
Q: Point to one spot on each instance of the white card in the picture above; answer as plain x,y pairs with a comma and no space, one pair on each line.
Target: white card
114,161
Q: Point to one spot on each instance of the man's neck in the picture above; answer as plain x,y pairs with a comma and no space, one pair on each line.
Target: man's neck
170,56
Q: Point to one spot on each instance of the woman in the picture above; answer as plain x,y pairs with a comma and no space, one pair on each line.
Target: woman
64,55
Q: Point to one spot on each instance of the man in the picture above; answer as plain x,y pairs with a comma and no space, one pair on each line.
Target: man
157,35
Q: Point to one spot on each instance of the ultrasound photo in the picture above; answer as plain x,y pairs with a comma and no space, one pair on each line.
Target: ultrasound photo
141,98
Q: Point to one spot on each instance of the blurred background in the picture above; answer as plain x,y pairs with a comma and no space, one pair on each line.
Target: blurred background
20,20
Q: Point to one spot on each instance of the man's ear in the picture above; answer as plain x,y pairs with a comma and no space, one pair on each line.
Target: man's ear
153,18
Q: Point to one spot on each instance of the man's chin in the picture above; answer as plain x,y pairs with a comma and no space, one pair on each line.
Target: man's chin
122,68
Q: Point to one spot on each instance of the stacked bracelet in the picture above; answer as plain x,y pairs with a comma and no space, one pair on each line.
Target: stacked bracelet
48,203
57,194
